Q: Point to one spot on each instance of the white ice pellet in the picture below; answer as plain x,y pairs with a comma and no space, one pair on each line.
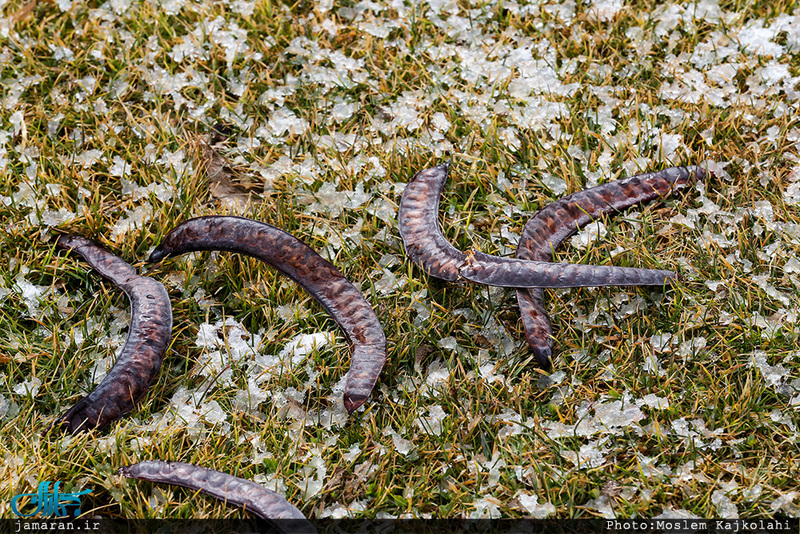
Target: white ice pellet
32,294
758,40
302,345
588,457
131,220
661,342
88,158
402,445
352,453
50,218
604,10
556,185
531,505
17,120
588,235
725,507
752,494
389,282
613,414
486,508
249,399
774,375
652,365
432,424
669,513
603,506
28,387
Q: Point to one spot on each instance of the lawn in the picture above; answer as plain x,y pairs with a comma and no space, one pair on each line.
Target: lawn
119,120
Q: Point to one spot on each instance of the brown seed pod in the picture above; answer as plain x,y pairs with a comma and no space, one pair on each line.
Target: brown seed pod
426,246
302,264
148,338
240,492
554,223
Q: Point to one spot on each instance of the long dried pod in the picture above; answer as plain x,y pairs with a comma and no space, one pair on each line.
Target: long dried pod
426,246
141,356
302,264
233,490
554,223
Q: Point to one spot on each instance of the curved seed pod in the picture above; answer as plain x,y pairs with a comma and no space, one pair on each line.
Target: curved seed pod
426,246
554,223
418,218
148,338
246,494
316,275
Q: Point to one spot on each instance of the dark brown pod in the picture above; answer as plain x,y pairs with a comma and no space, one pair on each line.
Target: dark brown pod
554,223
313,273
240,492
426,246
148,338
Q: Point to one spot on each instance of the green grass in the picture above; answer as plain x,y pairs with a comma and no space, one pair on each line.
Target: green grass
741,428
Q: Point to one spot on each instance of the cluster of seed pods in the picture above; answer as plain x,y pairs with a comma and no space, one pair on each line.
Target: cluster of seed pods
151,313
532,269
150,330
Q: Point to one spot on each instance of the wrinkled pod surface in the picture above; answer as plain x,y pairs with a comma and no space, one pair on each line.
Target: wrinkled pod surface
313,273
556,222
144,349
233,490
427,247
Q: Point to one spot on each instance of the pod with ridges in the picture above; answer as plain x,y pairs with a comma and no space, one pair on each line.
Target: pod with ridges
240,492
144,349
554,223
426,246
313,273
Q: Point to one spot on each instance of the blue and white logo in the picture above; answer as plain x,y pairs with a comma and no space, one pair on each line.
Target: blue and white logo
49,503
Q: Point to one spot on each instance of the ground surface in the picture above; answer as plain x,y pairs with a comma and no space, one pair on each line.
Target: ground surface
660,403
